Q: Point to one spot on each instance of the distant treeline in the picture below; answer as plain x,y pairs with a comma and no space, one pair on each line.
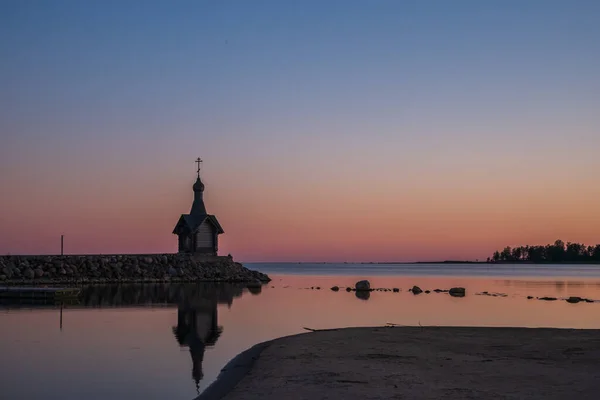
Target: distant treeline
559,252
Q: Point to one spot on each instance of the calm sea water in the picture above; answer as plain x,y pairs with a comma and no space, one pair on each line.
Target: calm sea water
169,341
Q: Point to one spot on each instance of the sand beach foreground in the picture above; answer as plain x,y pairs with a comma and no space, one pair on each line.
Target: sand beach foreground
418,363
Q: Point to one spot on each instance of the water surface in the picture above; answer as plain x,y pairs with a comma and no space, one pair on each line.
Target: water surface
170,341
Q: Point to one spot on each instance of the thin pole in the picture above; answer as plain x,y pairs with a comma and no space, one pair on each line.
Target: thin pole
62,237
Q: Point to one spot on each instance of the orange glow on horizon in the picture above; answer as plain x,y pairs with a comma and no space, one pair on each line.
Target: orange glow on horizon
291,223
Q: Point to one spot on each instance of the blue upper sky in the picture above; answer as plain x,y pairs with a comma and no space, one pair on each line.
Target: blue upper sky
150,64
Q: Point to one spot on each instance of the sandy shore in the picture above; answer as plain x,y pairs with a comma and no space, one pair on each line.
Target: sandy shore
419,363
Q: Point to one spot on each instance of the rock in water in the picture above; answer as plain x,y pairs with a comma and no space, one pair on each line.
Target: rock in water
416,290
335,288
362,286
574,299
457,292
395,290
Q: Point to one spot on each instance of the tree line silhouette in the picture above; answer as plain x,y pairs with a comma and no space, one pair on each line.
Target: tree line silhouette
559,252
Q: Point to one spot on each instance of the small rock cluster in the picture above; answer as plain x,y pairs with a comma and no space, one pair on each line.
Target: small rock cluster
486,293
576,299
363,289
572,299
123,268
454,292
364,286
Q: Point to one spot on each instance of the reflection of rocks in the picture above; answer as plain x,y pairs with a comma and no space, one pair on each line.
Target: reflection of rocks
363,294
255,289
486,293
157,293
254,284
559,285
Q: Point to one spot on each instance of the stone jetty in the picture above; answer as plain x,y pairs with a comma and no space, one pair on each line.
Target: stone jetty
77,269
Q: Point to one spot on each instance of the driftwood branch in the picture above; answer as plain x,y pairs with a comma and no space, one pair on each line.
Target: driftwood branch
320,330
391,324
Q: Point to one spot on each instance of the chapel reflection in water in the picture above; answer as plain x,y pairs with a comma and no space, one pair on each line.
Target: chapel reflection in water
197,322
197,327
197,315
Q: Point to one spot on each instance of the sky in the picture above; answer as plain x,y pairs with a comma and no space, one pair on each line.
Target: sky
331,130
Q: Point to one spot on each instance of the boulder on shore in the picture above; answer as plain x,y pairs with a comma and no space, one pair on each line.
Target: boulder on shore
362,286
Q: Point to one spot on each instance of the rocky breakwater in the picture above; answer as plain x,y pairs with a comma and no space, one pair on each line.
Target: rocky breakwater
123,268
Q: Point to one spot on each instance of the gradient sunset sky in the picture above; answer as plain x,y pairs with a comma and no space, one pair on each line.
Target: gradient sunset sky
330,130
